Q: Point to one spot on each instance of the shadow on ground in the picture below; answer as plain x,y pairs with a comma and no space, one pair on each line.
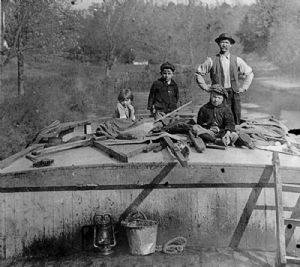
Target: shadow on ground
209,257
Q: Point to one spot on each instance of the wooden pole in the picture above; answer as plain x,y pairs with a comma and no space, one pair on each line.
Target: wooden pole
280,232
1,49
173,112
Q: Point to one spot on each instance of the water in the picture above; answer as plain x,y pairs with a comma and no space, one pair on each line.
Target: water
281,102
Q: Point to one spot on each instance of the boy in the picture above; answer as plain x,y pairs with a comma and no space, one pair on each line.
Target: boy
163,96
216,117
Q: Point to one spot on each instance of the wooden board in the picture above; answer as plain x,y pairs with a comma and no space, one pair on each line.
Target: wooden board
111,152
62,147
6,162
182,160
280,236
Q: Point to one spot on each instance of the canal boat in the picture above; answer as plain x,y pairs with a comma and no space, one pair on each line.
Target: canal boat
220,198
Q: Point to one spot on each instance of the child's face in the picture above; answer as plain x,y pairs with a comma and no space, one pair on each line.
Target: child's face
216,99
167,74
125,102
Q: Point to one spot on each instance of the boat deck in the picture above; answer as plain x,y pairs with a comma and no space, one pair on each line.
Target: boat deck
91,156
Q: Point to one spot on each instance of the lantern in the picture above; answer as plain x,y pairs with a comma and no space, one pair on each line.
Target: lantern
104,236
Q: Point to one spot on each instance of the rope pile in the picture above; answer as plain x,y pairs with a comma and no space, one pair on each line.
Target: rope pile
173,246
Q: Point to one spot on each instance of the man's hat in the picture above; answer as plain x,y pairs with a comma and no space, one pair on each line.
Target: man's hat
167,65
224,36
219,89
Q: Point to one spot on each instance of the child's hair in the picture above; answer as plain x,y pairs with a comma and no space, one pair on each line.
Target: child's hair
125,94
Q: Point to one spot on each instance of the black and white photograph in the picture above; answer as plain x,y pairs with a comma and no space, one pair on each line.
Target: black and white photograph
138,133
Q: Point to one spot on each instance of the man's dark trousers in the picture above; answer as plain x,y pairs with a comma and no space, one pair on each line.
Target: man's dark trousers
234,101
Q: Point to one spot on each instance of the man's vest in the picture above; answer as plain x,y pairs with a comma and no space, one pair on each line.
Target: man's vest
217,73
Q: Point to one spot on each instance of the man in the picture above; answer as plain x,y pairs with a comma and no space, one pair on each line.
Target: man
224,69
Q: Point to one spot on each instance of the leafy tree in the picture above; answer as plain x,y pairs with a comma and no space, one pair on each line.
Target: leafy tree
40,27
106,32
256,27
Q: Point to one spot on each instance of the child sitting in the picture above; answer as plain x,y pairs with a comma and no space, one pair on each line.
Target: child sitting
217,120
125,109
163,96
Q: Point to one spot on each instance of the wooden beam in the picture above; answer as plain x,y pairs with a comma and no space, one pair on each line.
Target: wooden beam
197,142
173,112
294,222
182,160
294,260
270,207
145,193
110,151
6,162
54,149
145,148
289,231
280,235
248,209
294,188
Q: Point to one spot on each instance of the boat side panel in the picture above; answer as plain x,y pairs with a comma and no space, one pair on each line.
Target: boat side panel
137,176
206,216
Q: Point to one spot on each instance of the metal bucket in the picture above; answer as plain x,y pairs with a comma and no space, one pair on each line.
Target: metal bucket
141,235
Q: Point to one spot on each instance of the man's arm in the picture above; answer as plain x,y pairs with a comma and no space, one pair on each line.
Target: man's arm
201,71
245,70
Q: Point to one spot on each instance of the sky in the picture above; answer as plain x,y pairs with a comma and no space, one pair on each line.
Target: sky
87,3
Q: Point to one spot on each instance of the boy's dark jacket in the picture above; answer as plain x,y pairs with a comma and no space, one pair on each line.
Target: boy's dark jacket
220,116
164,97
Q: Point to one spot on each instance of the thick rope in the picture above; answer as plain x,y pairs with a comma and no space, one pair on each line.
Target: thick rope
173,246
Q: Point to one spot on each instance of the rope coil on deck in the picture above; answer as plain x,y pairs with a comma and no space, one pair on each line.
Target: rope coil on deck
173,246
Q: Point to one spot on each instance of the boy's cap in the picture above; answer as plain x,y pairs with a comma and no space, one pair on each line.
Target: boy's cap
219,89
167,65
224,36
